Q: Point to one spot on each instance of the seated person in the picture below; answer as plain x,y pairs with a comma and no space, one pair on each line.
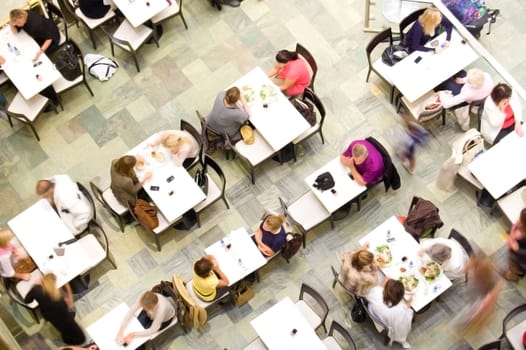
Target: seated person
208,281
448,253
290,73
270,237
125,185
364,161
8,256
156,314
426,28
502,114
229,113
516,245
93,8
43,30
71,204
464,88
359,272
55,308
387,304
183,147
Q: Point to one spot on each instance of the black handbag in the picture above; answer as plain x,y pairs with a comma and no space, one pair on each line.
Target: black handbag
67,62
324,181
394,54
358,313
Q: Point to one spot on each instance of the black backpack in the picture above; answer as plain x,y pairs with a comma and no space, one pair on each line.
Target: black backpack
292,246
324,181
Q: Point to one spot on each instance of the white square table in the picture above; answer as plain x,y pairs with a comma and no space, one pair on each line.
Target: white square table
501,167
174,197
402,244
279,123
21,70
240,259
275,328
139,11
414,80
346,188
39,229
104,330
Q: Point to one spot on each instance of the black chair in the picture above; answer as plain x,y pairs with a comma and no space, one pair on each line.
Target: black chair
336,279
507,320
215,191
163,226
316,128
457,236
409,19
108,201
309,59
494,345
479,105
377,66
212,140
10,286
330,341
56,14
186,126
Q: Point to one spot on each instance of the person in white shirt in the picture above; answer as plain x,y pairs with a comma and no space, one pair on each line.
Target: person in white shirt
182,145
386,303
72,206
449,254
8,255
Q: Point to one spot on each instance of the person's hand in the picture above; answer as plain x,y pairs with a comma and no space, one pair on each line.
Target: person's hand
518,129
365,246
421,252
25,276
37,56
139,158
2,59
147,176
445,44
129,337
459,81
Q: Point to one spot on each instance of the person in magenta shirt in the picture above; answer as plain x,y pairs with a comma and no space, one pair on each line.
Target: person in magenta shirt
290,73
364,161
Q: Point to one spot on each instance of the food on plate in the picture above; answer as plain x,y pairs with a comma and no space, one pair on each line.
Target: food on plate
410,283
384,256
158,155
139,165
248,92
403,269
266,91
430,270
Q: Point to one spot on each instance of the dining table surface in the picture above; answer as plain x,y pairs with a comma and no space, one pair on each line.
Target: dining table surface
171,187
104,330
499,169
407,259
283,327
40,230
237,255
415,79
29,76
271,112
138,12
345,188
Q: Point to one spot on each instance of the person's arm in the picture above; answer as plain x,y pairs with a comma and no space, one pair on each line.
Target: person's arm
161,310
184,152
223,280
246,107
487,304
126,320
358,178
449,28
418,33
68,295
287,83
258,235
273,71
43,48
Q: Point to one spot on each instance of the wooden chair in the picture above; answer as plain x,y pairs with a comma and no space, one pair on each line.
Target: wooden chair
336,279
313,307
95,242
216,191
332,344
56,14
108,201
186,126
130,38
306,213
17,290
507,323
377,66
175,9
311,63
26,111
212,140
320,118
408,20
163,226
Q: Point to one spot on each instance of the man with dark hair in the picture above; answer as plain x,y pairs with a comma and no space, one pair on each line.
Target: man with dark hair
71,204
208,282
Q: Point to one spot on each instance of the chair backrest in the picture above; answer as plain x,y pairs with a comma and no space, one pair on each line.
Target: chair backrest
310,95
457,236
385,35
9,285
209,161
96,230
494,345
321,304
80,56
210,136
123,44
336,276
88,196
338,328
391,177
186,126
409,19
303,52
68,10
289,217
512,314
97,192
54,13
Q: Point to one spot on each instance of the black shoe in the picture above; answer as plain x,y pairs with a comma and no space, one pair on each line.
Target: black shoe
233,3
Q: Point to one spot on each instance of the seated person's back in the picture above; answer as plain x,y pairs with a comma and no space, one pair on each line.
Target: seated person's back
227,116
208,281
359,272
448,253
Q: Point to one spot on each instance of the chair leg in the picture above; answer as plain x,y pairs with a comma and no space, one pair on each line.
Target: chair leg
198,218
88,87
34,131
120,222
321,135
136,61
35,316
226,202
333,283
443,116
253,175
112,262
158,243
184,21
10,121
304,239
92,37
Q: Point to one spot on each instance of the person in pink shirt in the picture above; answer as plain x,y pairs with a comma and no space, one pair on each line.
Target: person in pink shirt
477,85
290,73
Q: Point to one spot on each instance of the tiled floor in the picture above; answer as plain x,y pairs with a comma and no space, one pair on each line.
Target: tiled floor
185,74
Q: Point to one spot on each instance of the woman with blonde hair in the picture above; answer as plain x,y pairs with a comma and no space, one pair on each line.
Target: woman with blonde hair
183,146
156,314
359,272
124,183
270,236
427,27
55,306
8,256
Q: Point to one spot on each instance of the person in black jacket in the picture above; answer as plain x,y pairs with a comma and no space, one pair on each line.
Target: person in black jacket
93,8
55,308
